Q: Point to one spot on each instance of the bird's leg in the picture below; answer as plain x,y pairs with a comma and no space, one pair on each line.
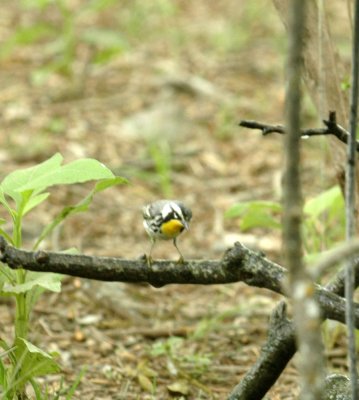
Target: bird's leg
181,259
149,257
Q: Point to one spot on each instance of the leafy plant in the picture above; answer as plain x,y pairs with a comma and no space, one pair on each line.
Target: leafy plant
323,220
323,226
20,192
256,214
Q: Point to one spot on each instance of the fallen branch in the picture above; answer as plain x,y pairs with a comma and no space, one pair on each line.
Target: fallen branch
332,128
275,354
280,346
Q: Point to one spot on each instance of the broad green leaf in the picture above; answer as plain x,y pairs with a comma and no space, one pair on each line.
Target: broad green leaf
37,290
13,182
78,171
331,198
47,281
79,207
35,201
256,214
259,219
34,361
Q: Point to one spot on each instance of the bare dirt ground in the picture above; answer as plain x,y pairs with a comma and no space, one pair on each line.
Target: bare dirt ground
162,109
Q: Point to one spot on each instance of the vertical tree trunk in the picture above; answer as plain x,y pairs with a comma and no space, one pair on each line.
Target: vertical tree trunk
306,312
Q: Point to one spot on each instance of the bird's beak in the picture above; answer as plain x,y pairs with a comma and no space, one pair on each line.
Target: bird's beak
185,224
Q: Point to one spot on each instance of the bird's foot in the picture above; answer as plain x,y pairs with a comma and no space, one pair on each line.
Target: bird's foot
149,260
180,260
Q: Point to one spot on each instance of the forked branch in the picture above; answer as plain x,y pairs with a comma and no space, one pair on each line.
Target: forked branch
332,128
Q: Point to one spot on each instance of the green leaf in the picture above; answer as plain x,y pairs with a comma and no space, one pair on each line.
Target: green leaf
78,171
5,203
326,201
4,345
37,290
3,376
37,389
23,36
72,389
105,38
35,201
79,207
256,214
34,361
106,183
13,182
6,275
47,281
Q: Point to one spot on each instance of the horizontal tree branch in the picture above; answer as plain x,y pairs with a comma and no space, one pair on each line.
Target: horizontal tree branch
332,128
239,264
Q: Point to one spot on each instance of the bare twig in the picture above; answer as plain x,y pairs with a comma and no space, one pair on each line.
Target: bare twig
332,128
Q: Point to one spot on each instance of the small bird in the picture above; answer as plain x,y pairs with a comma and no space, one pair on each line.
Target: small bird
165,219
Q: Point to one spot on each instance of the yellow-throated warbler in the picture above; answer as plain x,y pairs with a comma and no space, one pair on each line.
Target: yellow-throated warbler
165,219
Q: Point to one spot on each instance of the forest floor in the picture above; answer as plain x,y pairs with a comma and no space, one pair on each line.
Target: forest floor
155,91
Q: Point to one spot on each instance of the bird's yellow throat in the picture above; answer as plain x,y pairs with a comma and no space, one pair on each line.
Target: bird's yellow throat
172,228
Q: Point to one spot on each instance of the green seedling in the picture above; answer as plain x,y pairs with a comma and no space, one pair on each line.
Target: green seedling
20,193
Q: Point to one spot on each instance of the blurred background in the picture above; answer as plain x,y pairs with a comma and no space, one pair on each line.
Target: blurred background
155,90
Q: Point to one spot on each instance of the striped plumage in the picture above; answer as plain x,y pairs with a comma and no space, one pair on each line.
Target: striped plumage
166,219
